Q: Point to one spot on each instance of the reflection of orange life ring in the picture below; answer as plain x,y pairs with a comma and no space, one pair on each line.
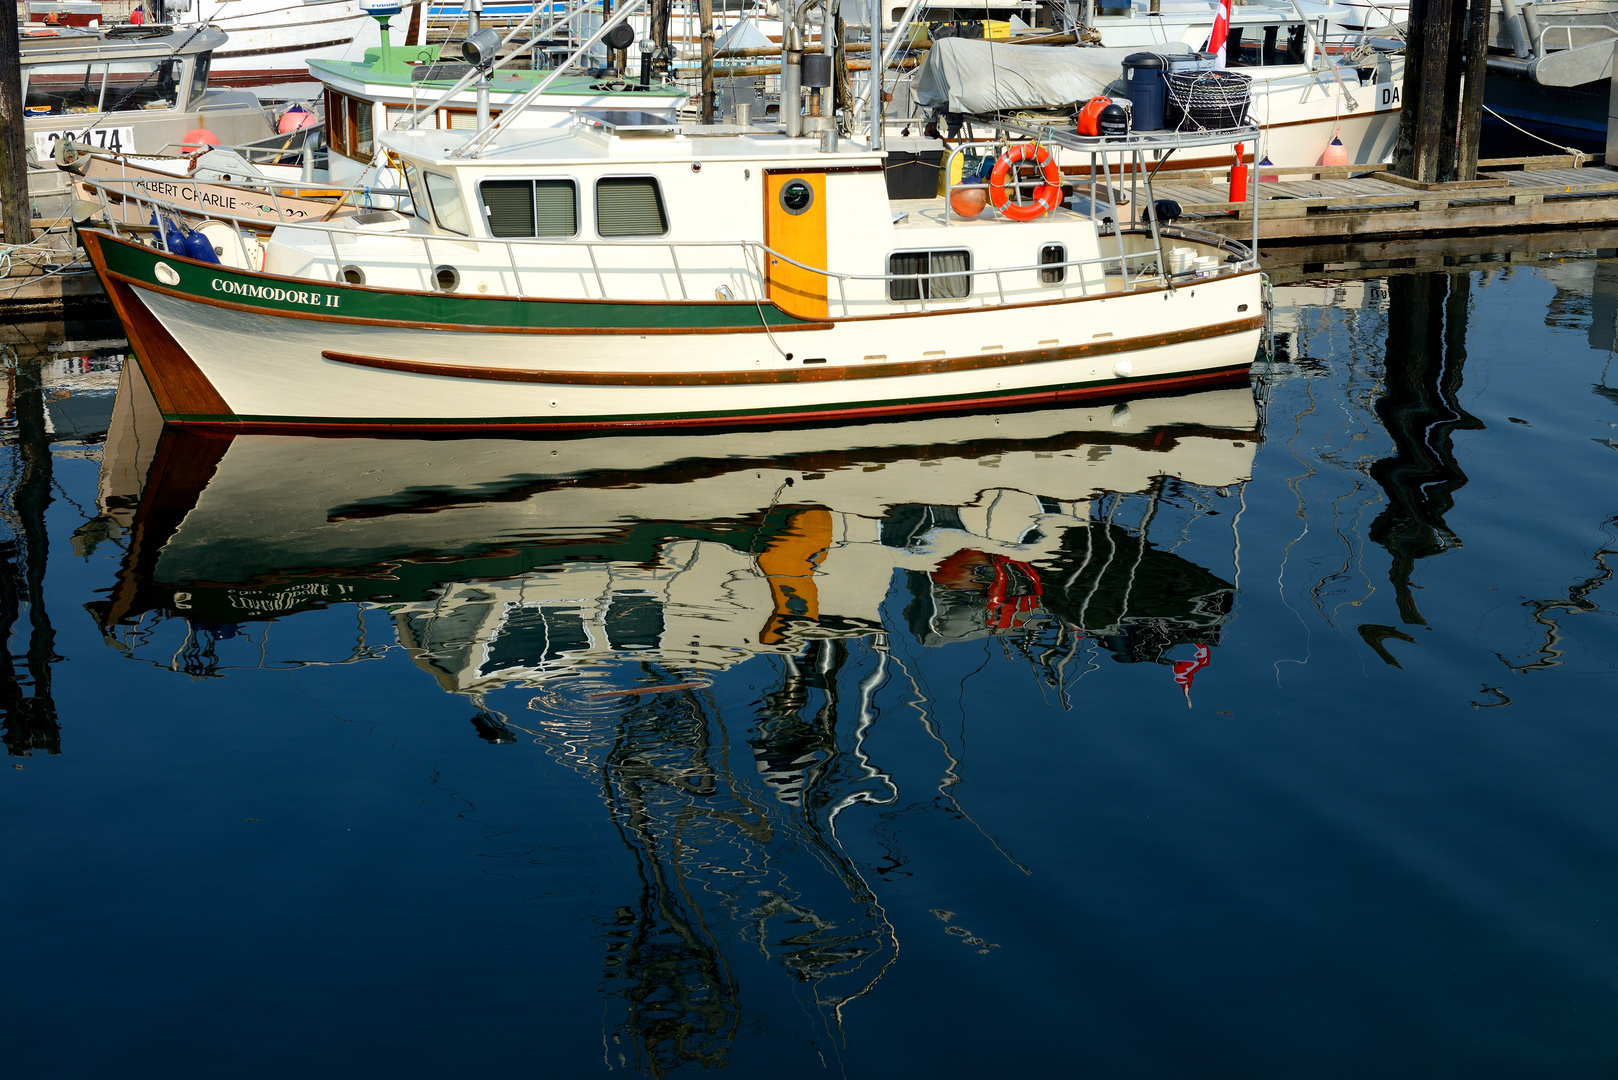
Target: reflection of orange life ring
1047,196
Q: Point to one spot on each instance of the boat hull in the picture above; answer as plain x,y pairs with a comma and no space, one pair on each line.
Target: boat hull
222,347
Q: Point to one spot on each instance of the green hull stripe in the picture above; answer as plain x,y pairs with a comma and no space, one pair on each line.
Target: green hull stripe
272,296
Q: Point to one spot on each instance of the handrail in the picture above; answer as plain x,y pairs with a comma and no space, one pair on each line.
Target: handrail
333,229
484,135
417,116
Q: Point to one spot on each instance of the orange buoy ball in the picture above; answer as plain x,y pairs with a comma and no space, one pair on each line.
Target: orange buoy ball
968,202
295,118
197,138
1336,153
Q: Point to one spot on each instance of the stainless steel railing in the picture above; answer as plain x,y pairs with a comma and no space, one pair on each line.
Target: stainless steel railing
748,267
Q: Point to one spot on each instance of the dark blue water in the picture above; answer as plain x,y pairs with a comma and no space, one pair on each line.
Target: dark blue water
1246,735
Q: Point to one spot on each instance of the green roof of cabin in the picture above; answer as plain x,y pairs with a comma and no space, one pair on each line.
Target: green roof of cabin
396,72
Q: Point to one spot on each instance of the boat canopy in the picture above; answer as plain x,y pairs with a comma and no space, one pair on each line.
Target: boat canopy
969,75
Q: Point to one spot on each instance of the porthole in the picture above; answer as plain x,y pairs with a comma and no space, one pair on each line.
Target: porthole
166,273
353,275
797,196
446,278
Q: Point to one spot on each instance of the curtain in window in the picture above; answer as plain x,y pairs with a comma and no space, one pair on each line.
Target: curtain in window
906,262
558,205
629,206
958,285
510,207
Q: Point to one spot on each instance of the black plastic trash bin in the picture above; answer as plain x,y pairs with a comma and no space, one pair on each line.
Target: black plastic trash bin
1145,85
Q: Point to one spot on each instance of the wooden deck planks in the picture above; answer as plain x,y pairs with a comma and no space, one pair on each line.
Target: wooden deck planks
1368,206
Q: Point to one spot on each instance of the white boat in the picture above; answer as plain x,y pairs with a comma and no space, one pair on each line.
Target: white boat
123,90
394,83
640,292
633,272
1302,95
272,41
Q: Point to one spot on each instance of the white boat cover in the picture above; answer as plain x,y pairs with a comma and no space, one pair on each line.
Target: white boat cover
745,34
971,75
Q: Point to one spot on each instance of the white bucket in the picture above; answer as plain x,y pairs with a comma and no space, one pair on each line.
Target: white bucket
1206,263
1181,259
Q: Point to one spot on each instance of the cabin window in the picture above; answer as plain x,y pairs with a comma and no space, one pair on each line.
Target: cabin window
954,280
413,182
446,201
462,119
141,84
630,206
359,129
1053,256
542,208
199,77
85,87
349,126
336,121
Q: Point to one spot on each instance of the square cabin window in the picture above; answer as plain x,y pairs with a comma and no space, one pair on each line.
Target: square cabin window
531,208
1053,256
629,206
953,280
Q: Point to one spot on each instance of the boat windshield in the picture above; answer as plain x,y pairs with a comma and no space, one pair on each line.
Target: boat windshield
100,86
1265,46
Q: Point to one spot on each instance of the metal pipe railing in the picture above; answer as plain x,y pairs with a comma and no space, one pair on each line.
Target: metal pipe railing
1120,263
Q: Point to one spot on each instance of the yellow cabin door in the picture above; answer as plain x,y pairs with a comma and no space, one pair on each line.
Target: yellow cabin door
795,226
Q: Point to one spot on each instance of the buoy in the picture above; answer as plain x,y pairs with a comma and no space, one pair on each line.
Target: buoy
173,238
1047,194
1264,177
293,119
1238,178
198,247
1336,153
968,202
197,138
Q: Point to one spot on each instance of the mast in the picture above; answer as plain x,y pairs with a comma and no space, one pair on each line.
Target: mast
705,16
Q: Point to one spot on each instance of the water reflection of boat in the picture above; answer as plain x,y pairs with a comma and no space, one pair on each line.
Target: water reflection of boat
585,594
697,551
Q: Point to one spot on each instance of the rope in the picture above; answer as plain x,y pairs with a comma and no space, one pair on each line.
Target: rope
1579,156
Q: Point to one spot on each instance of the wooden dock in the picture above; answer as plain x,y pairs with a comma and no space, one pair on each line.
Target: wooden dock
1510,195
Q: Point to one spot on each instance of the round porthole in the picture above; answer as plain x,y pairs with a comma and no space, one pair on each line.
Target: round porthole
797,196
447,278
353,275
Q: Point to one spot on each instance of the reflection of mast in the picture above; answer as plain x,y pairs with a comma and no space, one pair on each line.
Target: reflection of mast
681,998
1425,357
1578,602
710,843
30,720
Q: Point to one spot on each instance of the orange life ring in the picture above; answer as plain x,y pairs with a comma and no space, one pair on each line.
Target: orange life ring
1047,196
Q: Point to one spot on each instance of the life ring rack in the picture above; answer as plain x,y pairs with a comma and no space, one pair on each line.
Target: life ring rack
1047,195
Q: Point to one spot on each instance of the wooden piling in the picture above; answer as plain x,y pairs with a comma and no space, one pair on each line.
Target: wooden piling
1442,97
15,219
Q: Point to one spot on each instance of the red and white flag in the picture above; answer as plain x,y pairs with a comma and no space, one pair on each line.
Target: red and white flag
1216,37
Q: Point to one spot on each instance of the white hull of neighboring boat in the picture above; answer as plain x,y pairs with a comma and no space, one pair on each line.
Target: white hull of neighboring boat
1368,136
272,41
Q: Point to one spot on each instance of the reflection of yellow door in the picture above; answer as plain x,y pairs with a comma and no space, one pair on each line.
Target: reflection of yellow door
789,564
795,226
